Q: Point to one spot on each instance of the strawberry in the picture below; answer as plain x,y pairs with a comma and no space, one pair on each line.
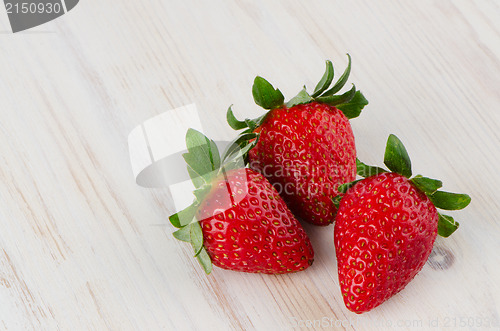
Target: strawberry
386,226
306,151
306,146
256,234
238,221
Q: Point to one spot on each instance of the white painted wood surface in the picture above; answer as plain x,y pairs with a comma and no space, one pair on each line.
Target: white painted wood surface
83,247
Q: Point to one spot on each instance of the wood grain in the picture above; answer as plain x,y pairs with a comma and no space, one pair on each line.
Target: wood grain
83,247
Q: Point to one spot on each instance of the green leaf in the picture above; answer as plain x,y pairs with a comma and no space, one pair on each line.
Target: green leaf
184,217
196,235
197,179
214,155
301,98
205,261
353,108
199,168
265,95
342,80
446,225
427,185
233,121
325,81
199,156
202,159
366,171
450,201
345,187
234,146
396,157
183,234
203,163
248,147
195,139
334,100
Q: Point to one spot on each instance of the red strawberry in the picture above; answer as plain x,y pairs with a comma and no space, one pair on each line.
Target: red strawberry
238,221
384,232
257,233
306,151
385,229
306,146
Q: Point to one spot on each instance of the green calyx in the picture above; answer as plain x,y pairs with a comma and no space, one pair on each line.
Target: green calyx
396,157
204,164
265,95
350,103
397,160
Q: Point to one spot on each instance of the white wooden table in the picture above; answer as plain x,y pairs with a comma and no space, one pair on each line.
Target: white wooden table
82,246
